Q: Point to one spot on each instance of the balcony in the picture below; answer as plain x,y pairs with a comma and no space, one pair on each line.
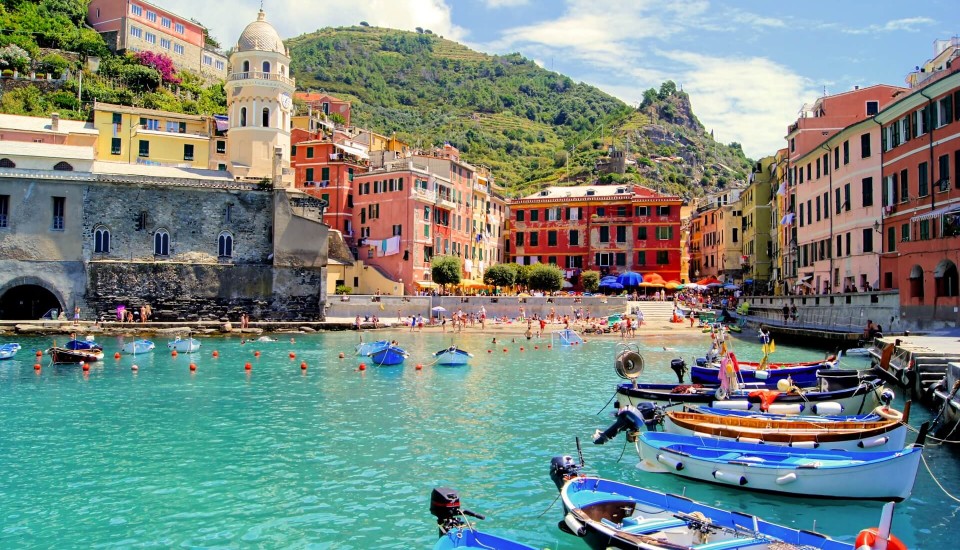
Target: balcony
424,194
262,76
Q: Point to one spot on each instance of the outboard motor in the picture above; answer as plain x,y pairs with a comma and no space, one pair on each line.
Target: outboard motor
445,505
563,468
679,366
630,420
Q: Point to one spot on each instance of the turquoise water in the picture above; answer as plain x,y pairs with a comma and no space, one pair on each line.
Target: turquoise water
336,458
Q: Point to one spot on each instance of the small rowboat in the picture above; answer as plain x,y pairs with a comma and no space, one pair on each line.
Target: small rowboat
138,346
456,531
184,345
8,351
364,349
868,417
802,374
87,344
872,475
388,356
611,514
452,357
63,356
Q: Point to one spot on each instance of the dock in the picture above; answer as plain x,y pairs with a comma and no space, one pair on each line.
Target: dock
918,361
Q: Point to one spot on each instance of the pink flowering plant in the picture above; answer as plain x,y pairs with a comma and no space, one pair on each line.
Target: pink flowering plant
161,63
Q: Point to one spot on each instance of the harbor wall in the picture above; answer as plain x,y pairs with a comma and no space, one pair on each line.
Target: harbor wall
496,306
844,313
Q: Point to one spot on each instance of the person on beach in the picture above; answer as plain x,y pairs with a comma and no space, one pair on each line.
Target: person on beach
786,313
76,315
356,322
443,323
543,326
793,312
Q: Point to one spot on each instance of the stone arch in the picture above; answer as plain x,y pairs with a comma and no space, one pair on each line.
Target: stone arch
63,166
916,282
28,298
947,280
7,163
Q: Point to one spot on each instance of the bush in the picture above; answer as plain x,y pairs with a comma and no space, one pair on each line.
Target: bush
53,63
160,63
547,278
590,280
344,289
14,57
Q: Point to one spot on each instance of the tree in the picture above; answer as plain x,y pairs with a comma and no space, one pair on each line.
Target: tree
545,277
590,280
499,275
445,270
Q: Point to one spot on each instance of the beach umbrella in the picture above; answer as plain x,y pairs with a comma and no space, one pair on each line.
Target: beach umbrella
615,286
730,286
438,310
674,285
714,285
629,279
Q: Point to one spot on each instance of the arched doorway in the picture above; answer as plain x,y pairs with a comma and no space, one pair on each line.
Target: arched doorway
945,275
27,302
916,282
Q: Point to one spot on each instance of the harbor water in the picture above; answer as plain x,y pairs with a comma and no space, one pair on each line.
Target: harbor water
334,457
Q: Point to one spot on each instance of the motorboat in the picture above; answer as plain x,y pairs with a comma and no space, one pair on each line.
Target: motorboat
388,355
184,345
452,357
456,531
827,473
138,346
8,351
64,356
612,514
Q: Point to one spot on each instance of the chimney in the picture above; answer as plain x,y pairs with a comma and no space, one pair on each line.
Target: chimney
55,122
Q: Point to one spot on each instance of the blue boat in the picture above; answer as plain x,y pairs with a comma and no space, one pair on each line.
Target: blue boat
452,357
86,345
7,351
611,514
364,349
388,355
456,531
801,374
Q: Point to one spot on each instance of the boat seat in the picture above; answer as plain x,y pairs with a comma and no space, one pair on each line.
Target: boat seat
729,456
731,544
648,526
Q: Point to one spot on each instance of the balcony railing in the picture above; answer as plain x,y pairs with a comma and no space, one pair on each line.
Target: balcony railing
262,76
430,196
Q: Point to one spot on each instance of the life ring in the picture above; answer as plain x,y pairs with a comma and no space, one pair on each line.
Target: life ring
868,538
888,413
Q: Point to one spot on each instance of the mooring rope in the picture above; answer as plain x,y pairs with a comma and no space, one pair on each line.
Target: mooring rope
935,480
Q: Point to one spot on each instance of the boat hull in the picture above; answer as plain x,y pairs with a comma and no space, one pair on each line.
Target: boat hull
452,357
188,345
137,347
388,357
464,537
364,349
797,472
802,374
63,356
9,351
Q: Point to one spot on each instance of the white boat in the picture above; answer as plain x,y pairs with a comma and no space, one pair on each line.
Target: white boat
184,345
880,475
566,337
7,351
138,346
452,357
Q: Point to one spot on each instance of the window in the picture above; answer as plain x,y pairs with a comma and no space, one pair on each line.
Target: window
520,215
826,205
243,116
136,32
663,210
904,186
836,158
266,66
59,206
944,111
847,239
309,152
144,150
846,152
219,65
846,197
165,43
603,258
622,211
840,246
891,239
868,239
397,230
924,230
867,192
943,164
551,238
221,146
574,237
620,258
136,10
922,185
534,215
641,211
309,176
178,49
534,238
865,145
734,237
905,233
621,233
426,213
207,60
175,127
873,107
228,213
265,118
818,208
642,258
115,146
4,210
161,243
165,22
601,211
152,17
246,66
826,163
641,233
179,28
519,239
188,151
663,257
150,37
665,233
225,245
604,234
553,214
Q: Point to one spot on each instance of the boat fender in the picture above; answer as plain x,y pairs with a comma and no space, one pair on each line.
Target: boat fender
875,442
750,440
804,444
670,462
574,525
869,539
761,375
787,478
785,408
732,405
888,413
827,408
729,477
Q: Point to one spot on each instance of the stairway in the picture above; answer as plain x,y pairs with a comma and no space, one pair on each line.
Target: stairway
652,311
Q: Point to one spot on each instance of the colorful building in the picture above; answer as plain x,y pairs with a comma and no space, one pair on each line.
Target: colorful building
782,228
146,136
757,251
326,169
134,25
608,228
325,105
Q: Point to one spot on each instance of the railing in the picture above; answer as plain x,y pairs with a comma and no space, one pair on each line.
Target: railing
262,76
425,194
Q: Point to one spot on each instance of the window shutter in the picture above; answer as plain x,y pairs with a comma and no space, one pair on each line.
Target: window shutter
597,259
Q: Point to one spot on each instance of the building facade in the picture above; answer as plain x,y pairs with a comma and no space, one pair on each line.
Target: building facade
757,250
147,136
134,25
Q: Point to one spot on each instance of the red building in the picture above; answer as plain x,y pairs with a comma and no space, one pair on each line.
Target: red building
921,195
325,169
608,228
326,104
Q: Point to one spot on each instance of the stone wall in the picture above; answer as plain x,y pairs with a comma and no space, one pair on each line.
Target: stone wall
503,306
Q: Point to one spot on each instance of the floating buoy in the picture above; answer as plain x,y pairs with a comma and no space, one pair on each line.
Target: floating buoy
504,350
303,366
39,353
116,355
341,355
85,367
419,366
173,353
36,366
549,346
536,347
489,351
134,368
363,366
521,348
193,366
216,353
256,354
293,355
247,366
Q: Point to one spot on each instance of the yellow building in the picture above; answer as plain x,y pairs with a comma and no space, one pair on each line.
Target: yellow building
757,250
147,136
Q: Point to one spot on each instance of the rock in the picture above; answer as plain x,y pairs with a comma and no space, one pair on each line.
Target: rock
307,329
226,327
31,329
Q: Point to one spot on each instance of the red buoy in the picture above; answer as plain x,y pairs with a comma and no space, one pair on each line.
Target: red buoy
419,366
173,353
341,355
247,366
536,347
116,355
216,353
504,350
256,354
134,368
293,355
39,353
85,367
363,366
549,346
36,366
489,351
303,366
193,366
521,348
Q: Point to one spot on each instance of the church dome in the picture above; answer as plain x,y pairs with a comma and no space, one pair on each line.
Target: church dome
261,36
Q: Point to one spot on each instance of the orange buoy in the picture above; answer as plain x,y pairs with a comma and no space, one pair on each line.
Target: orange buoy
116,355
536,347
363,366
303,366
247,366
504,350
869,537
521,348
216,353
173,353
489,351
134,368
85,367
293,355
193,366
549,346
36,366
39,353
256,354
341,355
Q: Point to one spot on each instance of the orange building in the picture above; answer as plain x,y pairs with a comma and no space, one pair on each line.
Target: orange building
326,104
326,169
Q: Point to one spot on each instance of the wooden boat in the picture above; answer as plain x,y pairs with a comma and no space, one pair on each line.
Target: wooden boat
456,531
86,344
452,357
867,417
64,356
184,345
8,351
947,394
388,355
877,475
138,347
611,514
802,374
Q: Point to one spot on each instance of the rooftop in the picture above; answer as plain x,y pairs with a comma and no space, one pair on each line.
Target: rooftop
113,108
604,191
45,125
124,169
46,150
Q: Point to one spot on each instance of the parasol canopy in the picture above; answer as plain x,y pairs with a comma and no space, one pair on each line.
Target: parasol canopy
630,279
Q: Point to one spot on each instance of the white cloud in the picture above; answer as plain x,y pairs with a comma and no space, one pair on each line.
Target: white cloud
505,3
907,24
294,17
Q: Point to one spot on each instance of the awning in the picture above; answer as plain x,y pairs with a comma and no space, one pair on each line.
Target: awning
355,151
427,284
949,209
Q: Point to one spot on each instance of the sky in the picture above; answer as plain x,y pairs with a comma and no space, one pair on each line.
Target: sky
748,66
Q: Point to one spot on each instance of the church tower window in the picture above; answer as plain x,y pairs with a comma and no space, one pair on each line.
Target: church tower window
266,118
266,66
